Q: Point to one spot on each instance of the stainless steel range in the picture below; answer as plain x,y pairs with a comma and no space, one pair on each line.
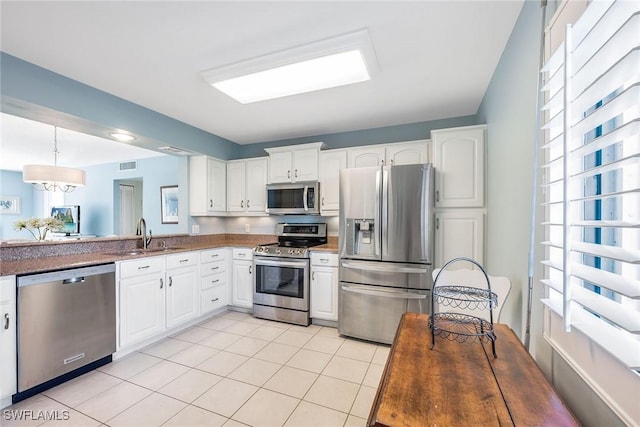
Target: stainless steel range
281,279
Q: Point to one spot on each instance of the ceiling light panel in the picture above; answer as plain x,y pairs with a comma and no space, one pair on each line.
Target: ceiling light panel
333,62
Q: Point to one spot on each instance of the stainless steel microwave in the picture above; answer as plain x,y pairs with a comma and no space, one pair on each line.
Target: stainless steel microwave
300,198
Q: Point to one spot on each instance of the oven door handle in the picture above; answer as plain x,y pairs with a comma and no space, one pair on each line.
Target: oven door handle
383,294
280,263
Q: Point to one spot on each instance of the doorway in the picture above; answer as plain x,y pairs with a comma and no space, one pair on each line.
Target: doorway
128,206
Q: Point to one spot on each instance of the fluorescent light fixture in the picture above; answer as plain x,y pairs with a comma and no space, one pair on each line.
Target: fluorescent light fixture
333,62
123,137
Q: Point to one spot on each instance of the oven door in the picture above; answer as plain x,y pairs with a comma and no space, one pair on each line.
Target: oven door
281,282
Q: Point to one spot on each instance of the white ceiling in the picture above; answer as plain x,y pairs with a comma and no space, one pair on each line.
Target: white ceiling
436,57
30,142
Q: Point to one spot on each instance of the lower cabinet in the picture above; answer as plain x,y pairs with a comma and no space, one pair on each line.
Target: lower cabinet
8,378
142,299
242,295
324,286
183,288
459,233
213,280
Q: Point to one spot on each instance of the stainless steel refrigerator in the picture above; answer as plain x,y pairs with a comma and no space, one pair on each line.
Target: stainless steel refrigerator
386,248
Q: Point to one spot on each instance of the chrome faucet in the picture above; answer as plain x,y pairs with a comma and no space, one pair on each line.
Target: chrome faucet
142,231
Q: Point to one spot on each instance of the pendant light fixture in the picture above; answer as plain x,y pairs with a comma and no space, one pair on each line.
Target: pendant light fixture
53,178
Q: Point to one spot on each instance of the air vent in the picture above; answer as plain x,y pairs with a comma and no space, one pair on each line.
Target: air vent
175,150
129,166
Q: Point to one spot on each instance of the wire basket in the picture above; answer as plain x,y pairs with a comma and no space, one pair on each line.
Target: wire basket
462,327
465,297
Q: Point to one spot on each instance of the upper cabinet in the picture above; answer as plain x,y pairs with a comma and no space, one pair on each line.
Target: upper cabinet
331,161
401,153
246,185
294,163
458,159
207,186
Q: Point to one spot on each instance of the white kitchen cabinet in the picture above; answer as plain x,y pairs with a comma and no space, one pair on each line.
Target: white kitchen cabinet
459,233
207,186
246,185
331,162
242,295
8,378
458,159
183,288
294,163
407,153
142,299
324,286
399,153
213,280
373,155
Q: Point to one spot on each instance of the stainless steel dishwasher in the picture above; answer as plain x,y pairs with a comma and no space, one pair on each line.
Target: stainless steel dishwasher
66,322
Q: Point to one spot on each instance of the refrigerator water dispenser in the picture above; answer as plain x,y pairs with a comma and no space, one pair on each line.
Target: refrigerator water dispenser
361,237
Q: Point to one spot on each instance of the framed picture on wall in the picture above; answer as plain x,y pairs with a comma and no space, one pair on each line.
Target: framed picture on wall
169,204
9,205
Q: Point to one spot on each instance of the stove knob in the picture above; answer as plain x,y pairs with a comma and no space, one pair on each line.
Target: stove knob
278,251
290,251
259,249
298,251
265,250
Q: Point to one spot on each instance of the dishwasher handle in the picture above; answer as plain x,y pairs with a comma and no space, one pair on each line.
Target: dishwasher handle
73,280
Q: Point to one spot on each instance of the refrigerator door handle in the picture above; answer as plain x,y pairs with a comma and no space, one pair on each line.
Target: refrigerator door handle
373,266
376,219
384,294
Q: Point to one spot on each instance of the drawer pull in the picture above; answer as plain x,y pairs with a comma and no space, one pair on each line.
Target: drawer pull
215,268
242,254
6,320
324,260
161,283
215,281
215,255
215,299
170,280
143,267
184,260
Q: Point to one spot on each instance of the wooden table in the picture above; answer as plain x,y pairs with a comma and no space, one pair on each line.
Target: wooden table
461,384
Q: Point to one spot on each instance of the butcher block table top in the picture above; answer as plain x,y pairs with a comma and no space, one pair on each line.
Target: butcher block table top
462,384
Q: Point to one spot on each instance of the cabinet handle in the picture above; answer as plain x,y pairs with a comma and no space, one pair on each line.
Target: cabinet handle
215,255
184,260
161,283
242,203
382,162
313,276
437,223
210,203
325,260
215,299
296,173
248,204
215,281
391,162
242,254
289,174
170,280
214,268
250,268
143,267
322,201
437,195
6,320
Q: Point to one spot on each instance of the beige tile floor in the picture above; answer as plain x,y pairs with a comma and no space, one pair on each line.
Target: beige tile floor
231,370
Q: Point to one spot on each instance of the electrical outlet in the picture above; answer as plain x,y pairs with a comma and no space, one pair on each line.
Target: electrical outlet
195,229
247,228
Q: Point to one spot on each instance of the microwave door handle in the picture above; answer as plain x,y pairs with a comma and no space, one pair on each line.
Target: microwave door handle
304,197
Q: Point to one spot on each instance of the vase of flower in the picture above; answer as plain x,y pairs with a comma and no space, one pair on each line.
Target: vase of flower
38,227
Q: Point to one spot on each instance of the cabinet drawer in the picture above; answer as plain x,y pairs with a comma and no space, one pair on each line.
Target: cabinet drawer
324,258
211,255
184,259
242,253
213,280
213,298
140,267
213,267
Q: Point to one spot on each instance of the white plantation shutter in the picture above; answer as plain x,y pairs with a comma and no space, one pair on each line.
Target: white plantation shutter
592,179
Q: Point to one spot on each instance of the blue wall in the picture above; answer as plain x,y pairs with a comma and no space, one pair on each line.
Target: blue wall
11,184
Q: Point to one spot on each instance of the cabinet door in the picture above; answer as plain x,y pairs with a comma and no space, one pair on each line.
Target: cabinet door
7,336
324,293
305,165
236,186
243,283
459,166
459,233
142,308
408,153
367,156
330,165
183,296
217,184
280,167
198,186
256,192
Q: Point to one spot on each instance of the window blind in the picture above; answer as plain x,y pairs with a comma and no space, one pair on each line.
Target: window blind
591,178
